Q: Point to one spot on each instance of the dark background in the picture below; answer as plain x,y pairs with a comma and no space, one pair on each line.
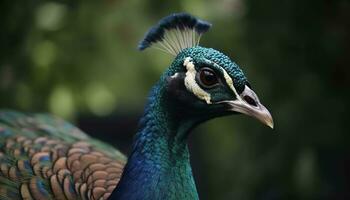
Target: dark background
78,59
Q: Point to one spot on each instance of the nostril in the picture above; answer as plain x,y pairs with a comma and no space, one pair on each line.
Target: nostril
250,100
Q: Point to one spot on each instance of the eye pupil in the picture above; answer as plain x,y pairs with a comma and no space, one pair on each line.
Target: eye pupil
250,100
208,77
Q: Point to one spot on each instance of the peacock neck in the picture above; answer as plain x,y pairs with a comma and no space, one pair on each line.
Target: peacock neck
159,165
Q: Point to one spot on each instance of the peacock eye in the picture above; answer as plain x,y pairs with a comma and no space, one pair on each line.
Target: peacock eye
207,78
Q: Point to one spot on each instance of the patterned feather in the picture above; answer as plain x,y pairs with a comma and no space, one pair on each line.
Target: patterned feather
44,157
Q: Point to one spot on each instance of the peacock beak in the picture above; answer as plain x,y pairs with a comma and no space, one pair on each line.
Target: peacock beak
259,112
248,103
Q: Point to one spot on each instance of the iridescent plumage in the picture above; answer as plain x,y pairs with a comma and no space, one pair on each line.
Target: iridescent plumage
44,157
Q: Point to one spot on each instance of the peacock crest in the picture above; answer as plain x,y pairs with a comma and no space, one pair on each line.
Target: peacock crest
174,33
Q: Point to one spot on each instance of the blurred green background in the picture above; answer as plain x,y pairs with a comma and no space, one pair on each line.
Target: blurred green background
78,59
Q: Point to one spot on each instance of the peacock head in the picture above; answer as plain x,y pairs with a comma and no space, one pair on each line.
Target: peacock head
202,80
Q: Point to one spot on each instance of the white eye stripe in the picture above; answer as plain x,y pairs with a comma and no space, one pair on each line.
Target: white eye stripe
191,84
229,82
228,79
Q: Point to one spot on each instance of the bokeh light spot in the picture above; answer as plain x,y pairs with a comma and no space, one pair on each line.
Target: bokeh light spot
50,16
99,99
61,102
44,54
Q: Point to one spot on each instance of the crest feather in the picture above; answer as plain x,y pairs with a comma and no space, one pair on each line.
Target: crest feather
175,33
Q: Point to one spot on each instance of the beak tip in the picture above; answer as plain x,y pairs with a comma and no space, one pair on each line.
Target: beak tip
269,122
270,125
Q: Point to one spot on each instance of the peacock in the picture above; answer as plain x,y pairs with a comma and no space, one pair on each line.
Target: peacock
45,157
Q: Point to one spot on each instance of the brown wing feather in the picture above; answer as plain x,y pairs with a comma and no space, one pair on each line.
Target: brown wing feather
73,171
44,157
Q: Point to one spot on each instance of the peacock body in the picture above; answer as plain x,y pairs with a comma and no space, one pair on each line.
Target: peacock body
44,157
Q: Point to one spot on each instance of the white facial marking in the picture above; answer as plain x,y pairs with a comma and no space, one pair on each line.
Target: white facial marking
229,82
191,84
175,75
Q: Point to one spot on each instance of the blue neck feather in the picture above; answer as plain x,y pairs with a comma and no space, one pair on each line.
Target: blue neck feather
159,165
